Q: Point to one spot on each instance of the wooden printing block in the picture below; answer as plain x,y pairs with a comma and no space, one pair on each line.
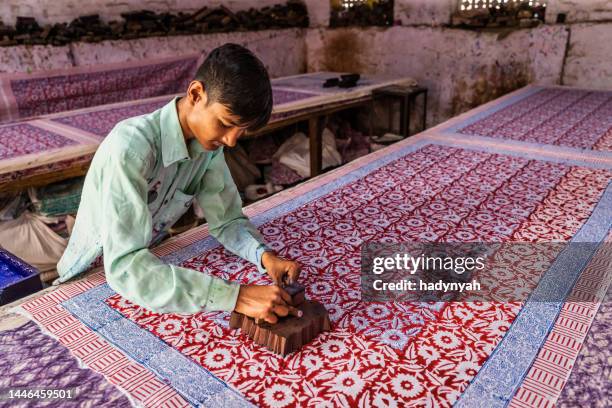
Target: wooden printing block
290,333
296,291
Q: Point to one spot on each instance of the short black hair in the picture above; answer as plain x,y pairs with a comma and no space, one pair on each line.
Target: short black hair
233,76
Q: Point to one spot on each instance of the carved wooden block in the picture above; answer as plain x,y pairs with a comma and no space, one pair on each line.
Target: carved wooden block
290,333
296,291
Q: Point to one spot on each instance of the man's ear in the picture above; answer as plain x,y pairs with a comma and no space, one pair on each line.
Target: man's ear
196,92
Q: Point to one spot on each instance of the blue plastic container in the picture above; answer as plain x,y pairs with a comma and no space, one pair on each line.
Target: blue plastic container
17,278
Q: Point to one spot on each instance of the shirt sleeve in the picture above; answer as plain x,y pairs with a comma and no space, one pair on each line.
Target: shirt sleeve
131,269
219,198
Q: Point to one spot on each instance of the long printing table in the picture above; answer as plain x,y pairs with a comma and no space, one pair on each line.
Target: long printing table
61,145
532,167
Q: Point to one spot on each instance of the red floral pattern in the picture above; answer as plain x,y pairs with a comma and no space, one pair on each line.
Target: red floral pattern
385,354
101,122
39,96
564,117
22,139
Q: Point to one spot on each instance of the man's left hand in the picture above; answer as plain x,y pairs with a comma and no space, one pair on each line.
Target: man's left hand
282,271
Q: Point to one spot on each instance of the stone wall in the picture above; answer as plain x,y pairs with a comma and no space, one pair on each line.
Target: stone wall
465,68
59,11
282,51
461,68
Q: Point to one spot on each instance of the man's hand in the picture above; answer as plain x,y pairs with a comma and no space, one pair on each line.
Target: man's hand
282,271
264,302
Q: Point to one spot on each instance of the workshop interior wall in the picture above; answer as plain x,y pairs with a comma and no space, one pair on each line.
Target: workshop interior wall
462,68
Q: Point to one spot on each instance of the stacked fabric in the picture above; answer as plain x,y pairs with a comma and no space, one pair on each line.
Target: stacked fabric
57,199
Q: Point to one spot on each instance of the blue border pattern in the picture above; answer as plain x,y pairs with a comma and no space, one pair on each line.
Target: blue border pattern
196,385
503,372
586,161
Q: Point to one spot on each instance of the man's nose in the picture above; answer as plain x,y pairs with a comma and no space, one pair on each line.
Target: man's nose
231,138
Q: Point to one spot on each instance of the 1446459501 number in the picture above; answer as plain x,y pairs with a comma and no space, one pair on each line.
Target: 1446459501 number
36,393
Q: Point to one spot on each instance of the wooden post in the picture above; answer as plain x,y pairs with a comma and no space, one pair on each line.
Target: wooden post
315,130
316,148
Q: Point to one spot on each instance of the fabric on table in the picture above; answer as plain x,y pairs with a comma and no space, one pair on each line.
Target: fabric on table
280,174
440,348
81,87
590,381
573,118
425,188
430,354
32,360
23,139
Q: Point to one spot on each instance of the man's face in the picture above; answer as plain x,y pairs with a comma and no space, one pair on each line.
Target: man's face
213,125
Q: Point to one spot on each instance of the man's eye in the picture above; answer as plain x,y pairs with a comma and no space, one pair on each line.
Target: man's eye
222,125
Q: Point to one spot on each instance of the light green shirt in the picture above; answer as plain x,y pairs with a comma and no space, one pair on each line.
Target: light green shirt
143,177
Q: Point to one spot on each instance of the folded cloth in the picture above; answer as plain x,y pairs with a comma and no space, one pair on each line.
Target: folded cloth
280,174
11,206
58,198
29,238
295,153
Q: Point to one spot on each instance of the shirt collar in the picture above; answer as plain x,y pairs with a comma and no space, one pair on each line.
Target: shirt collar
173,143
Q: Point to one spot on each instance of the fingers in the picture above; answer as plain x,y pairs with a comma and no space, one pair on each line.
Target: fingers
283,311
293,274
294,311
270,318
283,295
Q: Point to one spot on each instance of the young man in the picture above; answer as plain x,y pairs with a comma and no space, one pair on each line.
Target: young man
146,174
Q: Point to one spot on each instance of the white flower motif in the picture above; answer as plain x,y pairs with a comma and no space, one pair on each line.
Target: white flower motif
359,322
377,311
311,246
169,327
256,370
446,340
201,336
394,338
218,358
312,363
466,370
278,396
333,349
376,359
320,288
349,383
406,386
429,353
334,312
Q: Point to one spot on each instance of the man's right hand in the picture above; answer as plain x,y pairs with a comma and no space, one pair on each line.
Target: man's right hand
265,302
